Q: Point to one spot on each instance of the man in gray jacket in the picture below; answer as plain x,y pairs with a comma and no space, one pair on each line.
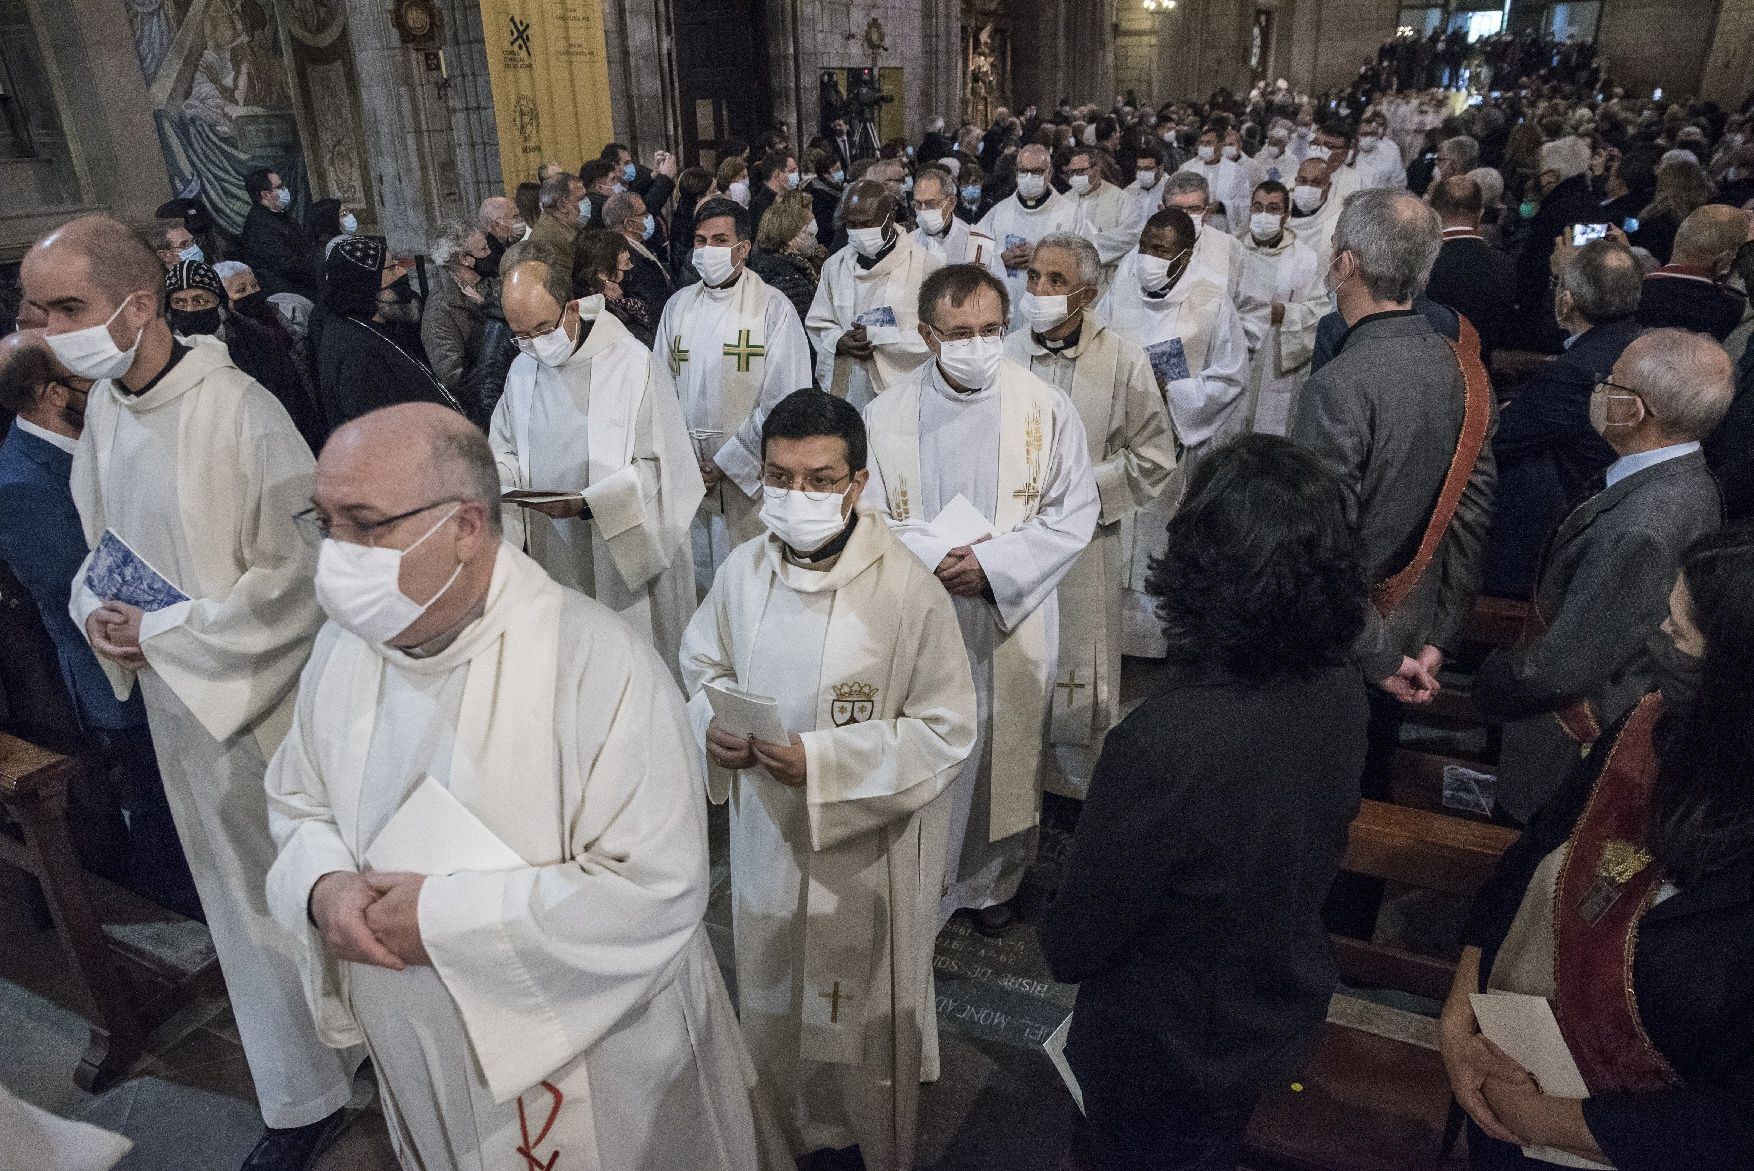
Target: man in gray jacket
1605,587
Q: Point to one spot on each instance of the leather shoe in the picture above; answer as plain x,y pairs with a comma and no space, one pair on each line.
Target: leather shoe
995,922
295,1148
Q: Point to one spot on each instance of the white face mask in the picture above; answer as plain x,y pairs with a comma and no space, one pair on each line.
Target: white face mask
714,265
867,242
805,240
805,525
359,587
931,220
551,348
1305,133
1318,151
1307,198
1264,225
283,197
1030,186
1208,153
1366,143
1148,179
1232,153
1080,184
1272,150
739,190
972,362
1154,271
349,224
792,179
1045,312
91,352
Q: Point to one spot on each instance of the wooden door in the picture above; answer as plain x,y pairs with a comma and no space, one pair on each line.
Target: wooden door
721,75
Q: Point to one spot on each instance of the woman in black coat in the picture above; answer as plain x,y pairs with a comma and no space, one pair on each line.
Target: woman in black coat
1191,908
1642,863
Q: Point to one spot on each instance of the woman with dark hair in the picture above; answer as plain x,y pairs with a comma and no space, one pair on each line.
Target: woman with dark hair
600,261
1191,908
693,188
1628,903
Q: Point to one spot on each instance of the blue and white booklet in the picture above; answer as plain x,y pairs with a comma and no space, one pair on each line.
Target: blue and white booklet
118,574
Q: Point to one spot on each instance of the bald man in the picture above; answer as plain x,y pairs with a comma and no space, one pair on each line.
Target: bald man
493,850
1019,221
187,478
590,422
1688,292
500,222
865,316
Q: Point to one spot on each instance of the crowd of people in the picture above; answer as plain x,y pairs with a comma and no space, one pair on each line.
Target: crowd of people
431,600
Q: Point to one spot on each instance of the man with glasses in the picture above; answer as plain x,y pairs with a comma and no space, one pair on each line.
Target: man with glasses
1016,222
1101,211
837,840
187,475
492,849
1605,587
941,233
594,452
984,471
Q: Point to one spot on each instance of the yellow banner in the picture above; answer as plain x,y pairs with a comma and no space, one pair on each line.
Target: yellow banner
549,70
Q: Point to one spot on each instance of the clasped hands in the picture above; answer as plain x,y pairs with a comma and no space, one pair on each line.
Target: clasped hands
113,629
784,763
1415,680
371,918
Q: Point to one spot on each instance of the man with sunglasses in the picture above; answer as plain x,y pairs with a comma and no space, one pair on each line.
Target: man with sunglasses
1604,590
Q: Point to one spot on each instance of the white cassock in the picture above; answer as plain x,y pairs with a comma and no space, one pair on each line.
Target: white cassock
1016,452
962,244
1227,183
835,885
1009,222
1315,231
1217,258
201,476
1199,354
1279,355
1279,167
1132,453
606,422
885,298
573,1010
1105,218
733,353
1146,201
1381,166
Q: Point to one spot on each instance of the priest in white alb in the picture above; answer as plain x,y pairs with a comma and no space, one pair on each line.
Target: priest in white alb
1102,212
186,478
838,833
862,320
1199,354
1217,254
941,233
1280,300
1032,211
1132,453
493,857
735,347
984,471
588,413
1315,209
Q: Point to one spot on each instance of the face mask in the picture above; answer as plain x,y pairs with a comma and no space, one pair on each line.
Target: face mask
252,305
91,352
193,321
1208,153
1366,143
1307,198
349,224
628,171
1031,186
1080,184
1148,179
1318,151
973,362
359,587
1232,153
1528,208
805,525
907,185
739,190
283,198
192,252
837,176
650,226
867,242
1153,273
714,265
617,187
1306,132
551,348
1264,225
1046,312
1675,672
792,178
1272,150
931,220
1599,411
971,194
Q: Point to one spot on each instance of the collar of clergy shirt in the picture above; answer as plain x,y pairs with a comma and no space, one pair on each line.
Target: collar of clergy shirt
1069,342
870,262
178,350
1047,194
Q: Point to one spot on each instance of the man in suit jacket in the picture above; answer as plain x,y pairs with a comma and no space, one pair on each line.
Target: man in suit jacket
556,231
1549,456
43,542
1471,276
1605,588
275,245
647,281
1687,292
1569,201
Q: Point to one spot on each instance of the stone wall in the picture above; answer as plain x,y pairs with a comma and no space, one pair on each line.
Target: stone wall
1649,43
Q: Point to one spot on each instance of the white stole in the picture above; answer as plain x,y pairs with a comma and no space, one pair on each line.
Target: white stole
899,275
740,348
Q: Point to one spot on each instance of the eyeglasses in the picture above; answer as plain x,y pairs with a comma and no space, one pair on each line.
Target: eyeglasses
963,333
776,482
317,527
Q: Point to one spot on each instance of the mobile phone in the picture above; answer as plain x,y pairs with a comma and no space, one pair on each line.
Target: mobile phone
1582,234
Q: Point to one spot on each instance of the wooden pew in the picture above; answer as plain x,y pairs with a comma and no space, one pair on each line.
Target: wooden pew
1376,1097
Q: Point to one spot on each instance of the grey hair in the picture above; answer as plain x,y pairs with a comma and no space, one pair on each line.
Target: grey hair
1604,282
1394,236
556,189
452,243
1464,149
1082,250
1183,182
555,283
618,209
1684,378
936,174
1568,156
1491,184
463,467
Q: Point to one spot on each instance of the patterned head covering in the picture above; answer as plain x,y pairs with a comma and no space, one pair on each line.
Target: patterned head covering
194,274
352,274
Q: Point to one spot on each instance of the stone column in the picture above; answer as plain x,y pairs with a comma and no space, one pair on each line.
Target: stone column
1729,70
642,75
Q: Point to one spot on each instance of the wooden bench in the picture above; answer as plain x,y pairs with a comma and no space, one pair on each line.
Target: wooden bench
128,986
1376,1097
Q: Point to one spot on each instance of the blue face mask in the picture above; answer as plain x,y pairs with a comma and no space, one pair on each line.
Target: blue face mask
651,226
628,172
192,252
971,194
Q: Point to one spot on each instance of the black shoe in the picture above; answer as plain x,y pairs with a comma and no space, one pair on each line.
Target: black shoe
995,922
828,1159
295,1148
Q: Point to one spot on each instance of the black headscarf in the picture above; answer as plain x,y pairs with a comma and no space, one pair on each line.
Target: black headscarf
352,275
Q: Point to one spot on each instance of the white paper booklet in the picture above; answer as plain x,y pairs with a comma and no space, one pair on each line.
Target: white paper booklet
743,714
1055,1046
434,834
1526,1029
957,524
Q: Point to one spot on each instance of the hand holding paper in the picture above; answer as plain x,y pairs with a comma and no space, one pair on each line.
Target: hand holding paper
743,714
